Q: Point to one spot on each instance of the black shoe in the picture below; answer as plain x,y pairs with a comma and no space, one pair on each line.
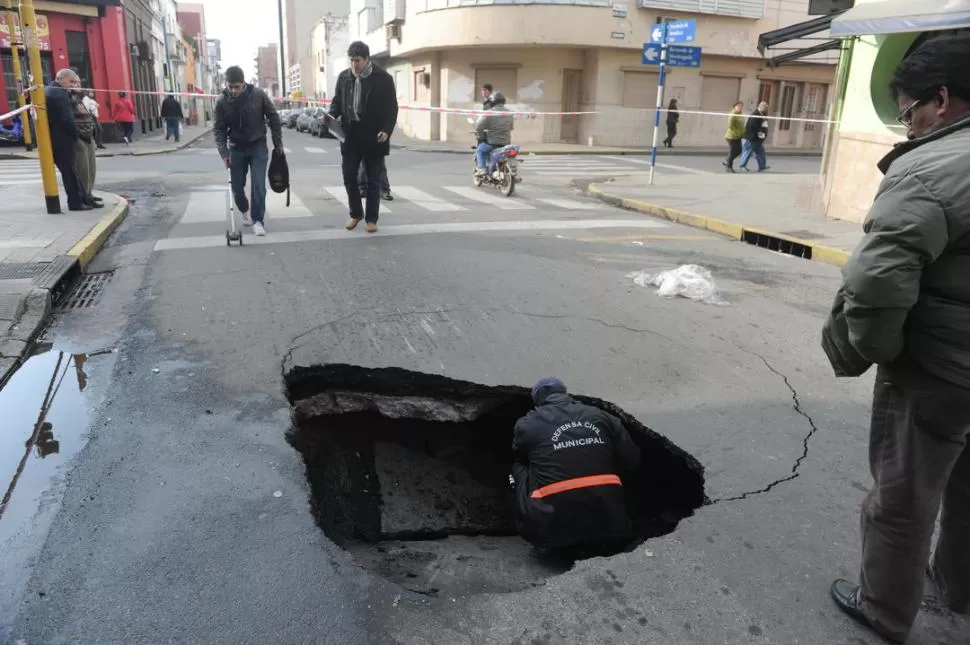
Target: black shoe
764,169
846,596
79,207
94,203
387,196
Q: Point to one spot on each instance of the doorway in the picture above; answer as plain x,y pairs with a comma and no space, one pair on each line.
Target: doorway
79,56
571,87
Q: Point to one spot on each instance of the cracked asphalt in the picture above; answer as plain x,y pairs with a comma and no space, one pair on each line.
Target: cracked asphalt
167,526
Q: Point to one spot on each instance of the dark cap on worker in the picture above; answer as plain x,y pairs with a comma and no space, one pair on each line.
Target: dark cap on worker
546,386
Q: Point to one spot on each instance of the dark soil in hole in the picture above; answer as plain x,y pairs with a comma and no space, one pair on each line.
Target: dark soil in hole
409,473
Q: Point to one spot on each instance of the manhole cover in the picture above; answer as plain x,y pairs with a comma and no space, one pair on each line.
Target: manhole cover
20,270
409,472
87,291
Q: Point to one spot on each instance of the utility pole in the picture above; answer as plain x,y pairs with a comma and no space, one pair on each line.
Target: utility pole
15,46
28,30
660,97
279,10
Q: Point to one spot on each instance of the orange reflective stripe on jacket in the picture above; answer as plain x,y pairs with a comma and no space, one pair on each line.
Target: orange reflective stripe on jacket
578,482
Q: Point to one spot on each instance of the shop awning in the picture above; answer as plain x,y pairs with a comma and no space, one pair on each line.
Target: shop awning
828,45
902,16
794,32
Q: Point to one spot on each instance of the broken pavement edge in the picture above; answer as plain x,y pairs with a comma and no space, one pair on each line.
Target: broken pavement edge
820,253
34,309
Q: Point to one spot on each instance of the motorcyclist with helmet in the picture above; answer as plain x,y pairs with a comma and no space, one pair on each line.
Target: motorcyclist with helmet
493,130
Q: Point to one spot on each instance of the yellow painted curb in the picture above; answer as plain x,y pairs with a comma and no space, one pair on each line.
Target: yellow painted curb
90,244
820,253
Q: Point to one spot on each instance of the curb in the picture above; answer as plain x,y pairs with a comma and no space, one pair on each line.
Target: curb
738,232
612,153
102,155
90,244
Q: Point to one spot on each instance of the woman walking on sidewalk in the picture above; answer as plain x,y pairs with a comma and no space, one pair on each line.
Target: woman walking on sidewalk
734,134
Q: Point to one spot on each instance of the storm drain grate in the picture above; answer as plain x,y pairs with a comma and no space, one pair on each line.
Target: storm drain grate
87,292
20,270
778,244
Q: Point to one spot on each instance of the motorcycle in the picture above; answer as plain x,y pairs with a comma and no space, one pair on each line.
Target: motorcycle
506,174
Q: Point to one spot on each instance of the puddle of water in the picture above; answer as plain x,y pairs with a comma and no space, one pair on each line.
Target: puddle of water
44,416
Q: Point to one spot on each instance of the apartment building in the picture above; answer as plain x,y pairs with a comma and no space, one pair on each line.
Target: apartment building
302,16
330,39
268,69
585,56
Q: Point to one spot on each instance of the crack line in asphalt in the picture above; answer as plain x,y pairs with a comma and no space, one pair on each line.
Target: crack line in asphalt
797,407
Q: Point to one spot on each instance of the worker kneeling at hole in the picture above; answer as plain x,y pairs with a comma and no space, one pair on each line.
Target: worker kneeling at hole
570,459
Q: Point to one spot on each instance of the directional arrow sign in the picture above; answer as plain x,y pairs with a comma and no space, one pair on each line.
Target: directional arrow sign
651,54
678,31
657,34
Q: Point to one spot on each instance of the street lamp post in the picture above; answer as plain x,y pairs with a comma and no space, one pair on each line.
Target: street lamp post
282,56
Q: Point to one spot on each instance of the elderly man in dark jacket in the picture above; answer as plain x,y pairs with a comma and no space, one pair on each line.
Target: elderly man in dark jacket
65,135
905,306
240,132
365,104
570,459
172,113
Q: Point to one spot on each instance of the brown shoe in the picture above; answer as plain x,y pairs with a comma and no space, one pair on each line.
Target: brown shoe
371,227
352,223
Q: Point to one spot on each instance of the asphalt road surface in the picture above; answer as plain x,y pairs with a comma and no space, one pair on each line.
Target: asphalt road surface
179,514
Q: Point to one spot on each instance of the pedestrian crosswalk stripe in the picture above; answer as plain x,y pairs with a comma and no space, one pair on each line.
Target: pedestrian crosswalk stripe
527,225
315,150
481,195
591,170
210,206
424,200
340,194
570,204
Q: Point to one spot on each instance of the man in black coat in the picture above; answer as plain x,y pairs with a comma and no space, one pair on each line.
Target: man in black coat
172,113
365,104
755,134
65,135
569,461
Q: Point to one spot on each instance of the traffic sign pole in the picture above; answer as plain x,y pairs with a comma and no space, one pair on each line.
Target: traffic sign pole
660,99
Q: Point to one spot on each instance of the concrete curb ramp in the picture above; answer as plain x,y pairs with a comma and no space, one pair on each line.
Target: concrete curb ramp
739,232
101,154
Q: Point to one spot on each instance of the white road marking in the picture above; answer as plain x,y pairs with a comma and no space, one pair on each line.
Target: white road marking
212,241
210,206
424,200
571,204
315,150
482,195
669,166
340,194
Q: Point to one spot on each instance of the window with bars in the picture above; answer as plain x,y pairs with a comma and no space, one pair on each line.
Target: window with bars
787,106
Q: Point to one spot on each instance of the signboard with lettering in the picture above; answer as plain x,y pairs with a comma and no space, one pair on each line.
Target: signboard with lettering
41,33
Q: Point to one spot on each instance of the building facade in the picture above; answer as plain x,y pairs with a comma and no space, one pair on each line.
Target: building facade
89,37
330,39
878,35
586,56
302,17
268,69
139,19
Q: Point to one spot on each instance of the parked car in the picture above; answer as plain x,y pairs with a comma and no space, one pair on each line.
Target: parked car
290,120
319,126
305,119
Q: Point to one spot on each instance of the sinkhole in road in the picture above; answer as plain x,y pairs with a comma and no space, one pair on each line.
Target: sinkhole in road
409,473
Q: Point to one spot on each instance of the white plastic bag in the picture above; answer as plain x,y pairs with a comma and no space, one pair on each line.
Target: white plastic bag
687,281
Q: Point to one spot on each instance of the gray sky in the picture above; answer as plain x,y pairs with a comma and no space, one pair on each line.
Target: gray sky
241,30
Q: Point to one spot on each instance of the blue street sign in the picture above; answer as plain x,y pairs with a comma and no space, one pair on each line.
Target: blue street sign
651,54
680,31
683,56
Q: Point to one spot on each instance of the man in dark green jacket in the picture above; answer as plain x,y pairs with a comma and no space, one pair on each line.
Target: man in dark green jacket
905,306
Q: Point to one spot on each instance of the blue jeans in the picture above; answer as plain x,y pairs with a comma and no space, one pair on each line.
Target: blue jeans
171,128
240,162
483,154
758,148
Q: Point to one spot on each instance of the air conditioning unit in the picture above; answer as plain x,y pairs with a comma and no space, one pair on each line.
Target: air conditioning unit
144,51
133,50
393,11
393,31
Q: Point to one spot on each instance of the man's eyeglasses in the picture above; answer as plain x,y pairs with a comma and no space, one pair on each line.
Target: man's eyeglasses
906,116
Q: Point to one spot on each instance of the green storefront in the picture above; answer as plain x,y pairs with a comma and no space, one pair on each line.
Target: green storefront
877,35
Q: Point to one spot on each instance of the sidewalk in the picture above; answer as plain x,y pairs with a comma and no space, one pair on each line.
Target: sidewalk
40,256
778,212
146,144
402,142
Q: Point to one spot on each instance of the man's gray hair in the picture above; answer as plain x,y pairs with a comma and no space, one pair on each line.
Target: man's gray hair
67,72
